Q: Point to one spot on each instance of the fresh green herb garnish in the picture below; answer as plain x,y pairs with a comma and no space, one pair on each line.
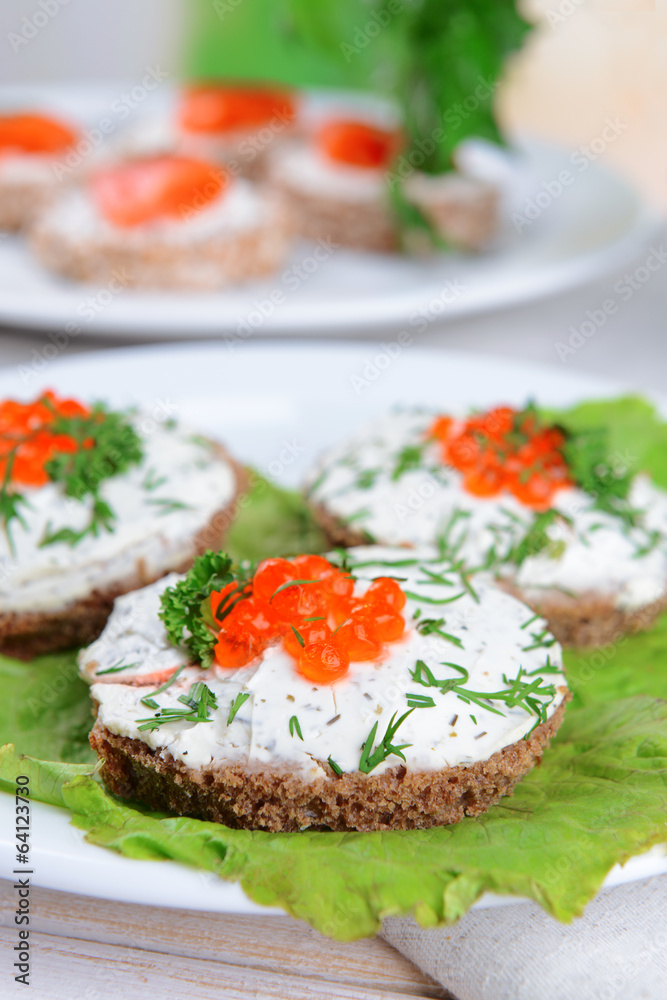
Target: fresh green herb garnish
10,504
422,599
240,700
199,702
108,446
299,637
162,687
290,583
420,701
408,458
537,539
152,481
334,766
519,693
371,758
294,727
116,669
181,605
168,506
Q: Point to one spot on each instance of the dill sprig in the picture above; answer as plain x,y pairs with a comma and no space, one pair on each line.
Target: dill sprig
370,758
533,696
107,446
199,702
294,727
238,703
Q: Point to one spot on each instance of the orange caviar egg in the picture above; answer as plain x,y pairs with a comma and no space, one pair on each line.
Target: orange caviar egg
216,108
310,632
358,144
155,188
323,662
387,591
238,647
359,636
505,450
32,133
27,443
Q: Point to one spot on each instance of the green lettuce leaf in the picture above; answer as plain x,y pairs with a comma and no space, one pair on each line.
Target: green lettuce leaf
599,797
47,778
637,433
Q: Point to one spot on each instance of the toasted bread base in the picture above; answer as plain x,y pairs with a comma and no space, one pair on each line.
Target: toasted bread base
21,201
25,635
201,265
275,799
580,620
365,226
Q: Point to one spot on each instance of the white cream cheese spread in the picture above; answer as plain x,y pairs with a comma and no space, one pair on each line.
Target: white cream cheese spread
307,171
241,207
368,483
490,637
160,505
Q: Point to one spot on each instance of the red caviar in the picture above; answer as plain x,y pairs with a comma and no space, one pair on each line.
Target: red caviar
158,187
32,133
26,442
505,450
358,144
216,108
308,604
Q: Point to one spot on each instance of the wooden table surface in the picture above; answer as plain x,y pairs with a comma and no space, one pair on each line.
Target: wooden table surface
90,949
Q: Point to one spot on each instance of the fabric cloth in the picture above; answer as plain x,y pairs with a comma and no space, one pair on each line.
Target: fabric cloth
616,951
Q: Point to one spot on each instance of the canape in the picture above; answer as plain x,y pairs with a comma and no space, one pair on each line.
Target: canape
95,502
383,691
163,222
235,125
31,146
551,513
340,184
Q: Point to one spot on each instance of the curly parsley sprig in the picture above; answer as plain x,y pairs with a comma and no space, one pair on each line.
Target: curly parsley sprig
186,610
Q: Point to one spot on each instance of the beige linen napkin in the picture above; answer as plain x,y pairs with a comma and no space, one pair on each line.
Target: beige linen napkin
616,951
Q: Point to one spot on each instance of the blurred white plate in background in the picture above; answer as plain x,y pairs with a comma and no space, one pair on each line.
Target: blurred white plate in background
569,235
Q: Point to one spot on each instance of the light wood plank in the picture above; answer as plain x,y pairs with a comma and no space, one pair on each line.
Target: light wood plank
63,968
268,945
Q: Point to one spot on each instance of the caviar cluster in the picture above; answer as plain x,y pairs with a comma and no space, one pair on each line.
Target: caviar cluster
505,450
309,605
34,134
27,442
214,109
357,144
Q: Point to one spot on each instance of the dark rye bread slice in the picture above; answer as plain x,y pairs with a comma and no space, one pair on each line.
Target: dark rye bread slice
24,635
576,620
203,265
275,799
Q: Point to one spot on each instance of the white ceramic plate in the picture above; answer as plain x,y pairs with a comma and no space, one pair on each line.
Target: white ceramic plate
593,226
277,406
